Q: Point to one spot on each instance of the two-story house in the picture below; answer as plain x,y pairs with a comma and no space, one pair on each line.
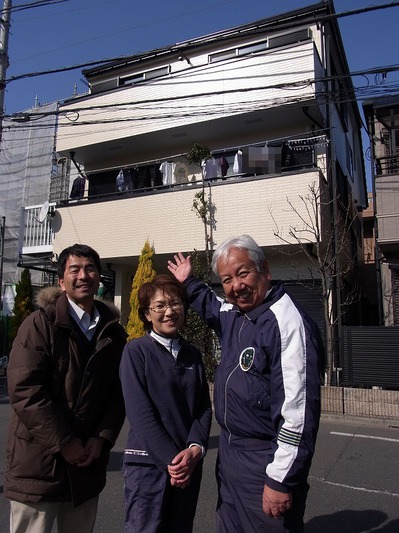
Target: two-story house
382,115
273,102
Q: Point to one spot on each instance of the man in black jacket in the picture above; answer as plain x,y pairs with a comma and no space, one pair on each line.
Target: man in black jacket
67,403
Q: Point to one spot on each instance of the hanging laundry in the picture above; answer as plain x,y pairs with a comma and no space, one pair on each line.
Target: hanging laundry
237,166
78,188
120,182
224,166
180,172
166,169
127,176
209,169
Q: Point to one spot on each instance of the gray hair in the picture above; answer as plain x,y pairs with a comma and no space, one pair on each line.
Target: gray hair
244,243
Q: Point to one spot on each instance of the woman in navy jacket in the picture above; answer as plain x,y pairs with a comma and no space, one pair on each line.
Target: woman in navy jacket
169,411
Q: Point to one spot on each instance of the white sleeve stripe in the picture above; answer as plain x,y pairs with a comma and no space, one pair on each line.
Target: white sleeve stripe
293,368
224,306
129,451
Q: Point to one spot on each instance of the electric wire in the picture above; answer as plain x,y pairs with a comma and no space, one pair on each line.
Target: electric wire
291,25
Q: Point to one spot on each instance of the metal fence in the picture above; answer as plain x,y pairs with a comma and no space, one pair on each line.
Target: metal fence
370,357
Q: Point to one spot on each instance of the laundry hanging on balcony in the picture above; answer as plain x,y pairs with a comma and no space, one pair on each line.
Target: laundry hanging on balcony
180,172
124,180
78,188
237,166
120,182
209,169
224,166
166,169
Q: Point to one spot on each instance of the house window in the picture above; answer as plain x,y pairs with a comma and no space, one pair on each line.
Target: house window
290,38
252,48
143,76
389,163
390,138
272,42
221,56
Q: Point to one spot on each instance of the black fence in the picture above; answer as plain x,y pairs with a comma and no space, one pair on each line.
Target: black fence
370,357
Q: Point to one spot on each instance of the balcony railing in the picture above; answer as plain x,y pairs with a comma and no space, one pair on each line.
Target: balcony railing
387,165
294,155
36,229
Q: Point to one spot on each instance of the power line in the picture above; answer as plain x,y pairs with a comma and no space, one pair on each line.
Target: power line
167,109
292,24
38,3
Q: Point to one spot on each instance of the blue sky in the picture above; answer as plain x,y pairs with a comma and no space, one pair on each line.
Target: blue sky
79,31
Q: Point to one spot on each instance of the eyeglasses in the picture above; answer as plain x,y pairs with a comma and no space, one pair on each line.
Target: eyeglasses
161,308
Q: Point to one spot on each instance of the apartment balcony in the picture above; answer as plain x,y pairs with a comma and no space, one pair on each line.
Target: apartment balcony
118,225
36,230
387,165
243,99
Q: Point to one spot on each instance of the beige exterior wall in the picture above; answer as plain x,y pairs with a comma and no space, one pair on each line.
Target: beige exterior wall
119,228
213,91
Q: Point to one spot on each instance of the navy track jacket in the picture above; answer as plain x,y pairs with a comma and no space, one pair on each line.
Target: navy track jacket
267,386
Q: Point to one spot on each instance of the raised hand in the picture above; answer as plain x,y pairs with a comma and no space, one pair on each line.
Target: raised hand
181,268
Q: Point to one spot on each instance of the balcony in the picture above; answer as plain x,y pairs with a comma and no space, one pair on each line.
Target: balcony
118,225
36,230
245,97
387,165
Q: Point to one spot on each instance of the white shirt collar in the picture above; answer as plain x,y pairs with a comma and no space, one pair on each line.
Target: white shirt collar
170,343
86,322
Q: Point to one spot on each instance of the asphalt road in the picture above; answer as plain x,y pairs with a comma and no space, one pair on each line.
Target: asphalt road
354,480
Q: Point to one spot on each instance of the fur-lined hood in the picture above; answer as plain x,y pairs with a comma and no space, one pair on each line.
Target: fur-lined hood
48,296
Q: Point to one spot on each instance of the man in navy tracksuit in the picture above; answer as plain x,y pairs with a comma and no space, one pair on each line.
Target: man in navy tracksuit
267,390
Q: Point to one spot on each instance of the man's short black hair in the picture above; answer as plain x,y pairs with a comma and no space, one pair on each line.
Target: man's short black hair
80,250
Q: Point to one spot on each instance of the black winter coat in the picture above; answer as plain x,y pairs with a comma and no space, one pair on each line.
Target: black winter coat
62,386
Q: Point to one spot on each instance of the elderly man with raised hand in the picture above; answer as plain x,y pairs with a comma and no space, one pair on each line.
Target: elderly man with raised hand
267,390
66,399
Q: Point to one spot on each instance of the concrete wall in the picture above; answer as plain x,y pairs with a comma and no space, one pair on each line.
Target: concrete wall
368,403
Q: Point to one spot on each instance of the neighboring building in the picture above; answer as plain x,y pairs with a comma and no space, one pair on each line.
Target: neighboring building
369,281
32,180
26,164
273,101
382,115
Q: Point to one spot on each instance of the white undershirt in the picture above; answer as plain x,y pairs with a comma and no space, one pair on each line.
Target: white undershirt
171,344
86,323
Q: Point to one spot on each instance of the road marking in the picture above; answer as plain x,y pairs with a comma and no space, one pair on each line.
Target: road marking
362,489
363,436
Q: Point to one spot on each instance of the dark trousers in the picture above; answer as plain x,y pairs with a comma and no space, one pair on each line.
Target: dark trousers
241,474
152,505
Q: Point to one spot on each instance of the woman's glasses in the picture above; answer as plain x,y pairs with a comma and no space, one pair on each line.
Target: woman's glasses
176,305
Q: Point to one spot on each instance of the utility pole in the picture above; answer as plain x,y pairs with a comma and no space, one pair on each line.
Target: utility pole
2,236
4,63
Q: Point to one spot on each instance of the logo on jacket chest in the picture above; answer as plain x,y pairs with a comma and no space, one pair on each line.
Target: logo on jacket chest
247,357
